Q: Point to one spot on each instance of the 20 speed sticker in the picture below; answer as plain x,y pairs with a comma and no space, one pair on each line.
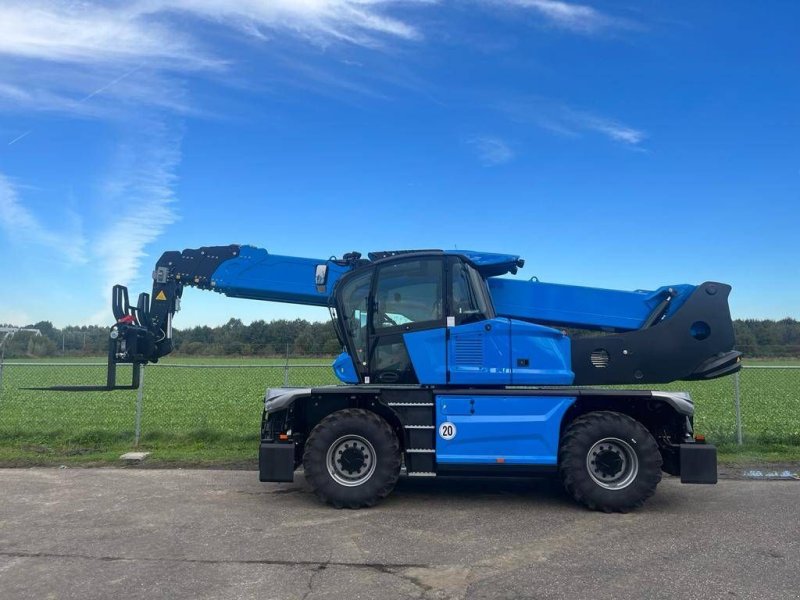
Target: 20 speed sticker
447,430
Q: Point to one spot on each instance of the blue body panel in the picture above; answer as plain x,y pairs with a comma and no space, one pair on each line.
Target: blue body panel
344,369
495,352
490,430
259,275
426,349
547,352
479,356
490,264
571,305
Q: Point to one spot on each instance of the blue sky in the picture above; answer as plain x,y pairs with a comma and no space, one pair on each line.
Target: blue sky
612,144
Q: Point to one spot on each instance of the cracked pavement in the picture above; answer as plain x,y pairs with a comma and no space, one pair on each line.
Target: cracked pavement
203,534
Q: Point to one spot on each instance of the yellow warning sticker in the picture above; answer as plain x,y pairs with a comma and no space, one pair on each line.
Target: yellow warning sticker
161,295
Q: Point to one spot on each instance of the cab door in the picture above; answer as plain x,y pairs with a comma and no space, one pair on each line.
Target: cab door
478,342
407,324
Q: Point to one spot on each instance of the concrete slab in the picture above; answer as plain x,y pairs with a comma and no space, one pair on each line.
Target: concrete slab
134,456
184,534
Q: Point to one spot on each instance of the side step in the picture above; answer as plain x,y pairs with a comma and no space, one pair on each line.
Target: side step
420,439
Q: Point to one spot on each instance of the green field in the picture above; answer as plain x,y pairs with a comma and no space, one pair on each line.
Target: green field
211,414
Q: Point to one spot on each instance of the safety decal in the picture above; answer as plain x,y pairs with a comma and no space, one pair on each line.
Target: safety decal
161,295
447,430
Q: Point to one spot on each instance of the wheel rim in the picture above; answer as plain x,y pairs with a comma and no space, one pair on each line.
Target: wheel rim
612,463
351,460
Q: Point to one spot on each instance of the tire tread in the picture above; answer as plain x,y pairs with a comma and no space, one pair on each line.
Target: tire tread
576,441
388,471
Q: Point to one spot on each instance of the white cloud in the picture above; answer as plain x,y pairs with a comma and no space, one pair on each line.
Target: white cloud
491,150
571,122
356,21
137,199
98,58
89,33
150,31
138,195
109,92
578,18
21,225
614,130
91,56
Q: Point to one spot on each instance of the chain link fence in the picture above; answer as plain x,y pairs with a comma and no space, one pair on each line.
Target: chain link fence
176,404
219,403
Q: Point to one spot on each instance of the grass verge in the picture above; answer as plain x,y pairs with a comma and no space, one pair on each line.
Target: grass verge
191,452
757,454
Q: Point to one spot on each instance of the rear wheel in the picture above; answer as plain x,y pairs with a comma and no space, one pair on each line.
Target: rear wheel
352,459
609,461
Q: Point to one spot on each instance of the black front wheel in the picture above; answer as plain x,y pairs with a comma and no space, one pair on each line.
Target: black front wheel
609,461
352,459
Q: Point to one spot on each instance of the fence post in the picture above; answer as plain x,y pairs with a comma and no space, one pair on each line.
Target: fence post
286,368
737,399
139,398
6,337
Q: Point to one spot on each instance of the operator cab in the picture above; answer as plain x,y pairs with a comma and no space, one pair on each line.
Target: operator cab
398,306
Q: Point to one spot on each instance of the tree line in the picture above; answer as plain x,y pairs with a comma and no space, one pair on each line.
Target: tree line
755,337
234,338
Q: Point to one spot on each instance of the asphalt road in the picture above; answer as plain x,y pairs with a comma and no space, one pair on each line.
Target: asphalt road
181,534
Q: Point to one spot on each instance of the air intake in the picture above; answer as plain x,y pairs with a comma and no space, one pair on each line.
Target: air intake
469,350
599,358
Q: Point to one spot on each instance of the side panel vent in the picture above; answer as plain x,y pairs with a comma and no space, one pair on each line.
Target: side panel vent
469,350
599,358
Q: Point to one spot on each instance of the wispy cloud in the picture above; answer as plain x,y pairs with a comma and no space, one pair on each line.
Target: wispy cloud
21,136
108,92
114,51
612,129
139,205
491,150
569,121
91,56
150,31
90,33
360,22
139,191
19,223
578,18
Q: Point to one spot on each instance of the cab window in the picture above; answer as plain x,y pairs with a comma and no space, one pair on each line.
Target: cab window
408,293
355,296
468,304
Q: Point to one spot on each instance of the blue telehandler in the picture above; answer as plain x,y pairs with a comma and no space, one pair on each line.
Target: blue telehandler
450,368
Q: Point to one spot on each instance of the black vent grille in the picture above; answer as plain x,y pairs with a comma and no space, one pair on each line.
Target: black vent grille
599,358
469,350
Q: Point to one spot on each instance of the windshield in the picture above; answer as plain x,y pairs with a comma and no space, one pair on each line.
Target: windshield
355,296
408,292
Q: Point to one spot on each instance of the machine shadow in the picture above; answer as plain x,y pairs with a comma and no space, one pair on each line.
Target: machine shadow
543,490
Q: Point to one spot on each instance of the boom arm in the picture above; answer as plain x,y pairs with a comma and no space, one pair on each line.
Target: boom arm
144,333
